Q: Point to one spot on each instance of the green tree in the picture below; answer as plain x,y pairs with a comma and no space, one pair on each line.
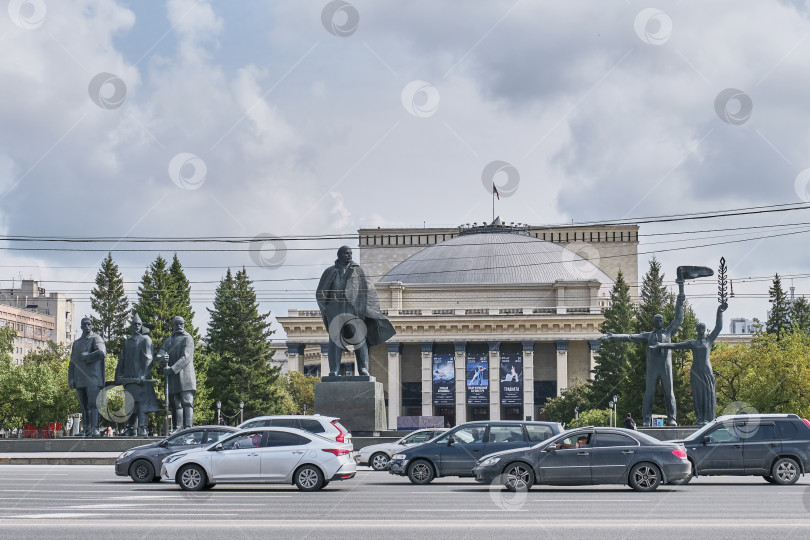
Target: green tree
800,315
301,389
180,297
154,305
613,357
44,395
779,318
592,417
561,408
109,301
239,335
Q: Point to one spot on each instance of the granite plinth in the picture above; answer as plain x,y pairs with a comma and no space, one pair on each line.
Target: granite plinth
348,378
360,405
669,433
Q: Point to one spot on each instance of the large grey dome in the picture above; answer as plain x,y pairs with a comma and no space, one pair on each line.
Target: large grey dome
497,258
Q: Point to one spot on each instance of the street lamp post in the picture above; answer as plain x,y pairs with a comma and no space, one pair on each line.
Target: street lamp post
615,411
576,412
241,412
610,405
219,412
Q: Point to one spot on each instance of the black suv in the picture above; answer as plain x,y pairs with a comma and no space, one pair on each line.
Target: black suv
774,446
455,452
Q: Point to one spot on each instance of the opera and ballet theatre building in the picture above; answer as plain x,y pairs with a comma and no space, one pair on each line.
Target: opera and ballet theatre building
491,320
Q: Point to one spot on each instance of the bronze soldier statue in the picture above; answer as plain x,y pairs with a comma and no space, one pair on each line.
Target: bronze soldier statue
351,312
134,371
86,375
177,355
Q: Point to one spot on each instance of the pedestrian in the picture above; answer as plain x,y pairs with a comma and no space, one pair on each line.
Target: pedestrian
629,423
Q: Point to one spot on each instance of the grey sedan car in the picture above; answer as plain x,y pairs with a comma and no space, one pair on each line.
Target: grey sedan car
142,463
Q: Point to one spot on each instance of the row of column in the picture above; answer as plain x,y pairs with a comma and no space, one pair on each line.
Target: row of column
295,355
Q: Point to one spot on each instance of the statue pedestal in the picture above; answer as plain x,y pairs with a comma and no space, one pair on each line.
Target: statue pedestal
360,404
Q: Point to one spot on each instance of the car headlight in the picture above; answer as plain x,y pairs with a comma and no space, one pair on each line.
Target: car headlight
174,457
398,456
126,454
489,461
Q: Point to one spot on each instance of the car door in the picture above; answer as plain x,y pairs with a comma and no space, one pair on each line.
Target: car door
569,462
182,441
721,450
761,445
280,454
463,448
611,455
239,458
504,437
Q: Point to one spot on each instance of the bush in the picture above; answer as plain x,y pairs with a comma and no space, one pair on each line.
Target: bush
593,417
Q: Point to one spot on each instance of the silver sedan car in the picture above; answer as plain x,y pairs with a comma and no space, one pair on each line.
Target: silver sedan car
378,455
263,455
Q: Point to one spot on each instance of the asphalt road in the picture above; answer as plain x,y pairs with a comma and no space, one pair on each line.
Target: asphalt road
42,501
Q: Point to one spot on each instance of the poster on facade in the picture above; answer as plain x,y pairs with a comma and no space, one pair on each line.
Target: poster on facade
477,379
444,379
511,378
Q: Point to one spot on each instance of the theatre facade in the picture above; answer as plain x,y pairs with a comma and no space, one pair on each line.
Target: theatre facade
491,320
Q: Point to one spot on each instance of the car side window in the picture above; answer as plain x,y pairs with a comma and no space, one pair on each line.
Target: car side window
285,422
469,435
613,439
282,438
724,434
217,435
248,440
574,441
417,438
186,439
253,424
759,433
787,430
538,433
505,434
313,426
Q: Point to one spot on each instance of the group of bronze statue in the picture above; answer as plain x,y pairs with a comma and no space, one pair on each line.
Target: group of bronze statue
351,314
134,373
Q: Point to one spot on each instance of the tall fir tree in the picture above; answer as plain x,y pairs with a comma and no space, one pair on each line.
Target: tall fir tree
613,357
239,338
800,315
154,305
180,297
110,302
779,318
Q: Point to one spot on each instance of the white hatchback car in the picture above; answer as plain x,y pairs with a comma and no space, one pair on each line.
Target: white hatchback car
325,426
378,455
263,455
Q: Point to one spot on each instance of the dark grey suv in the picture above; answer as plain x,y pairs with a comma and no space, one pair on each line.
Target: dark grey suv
774,446
142,463
456,452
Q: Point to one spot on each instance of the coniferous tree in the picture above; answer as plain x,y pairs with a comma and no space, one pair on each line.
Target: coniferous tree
613,357
239,338
800,315
154,305
779,319
180,297
109,301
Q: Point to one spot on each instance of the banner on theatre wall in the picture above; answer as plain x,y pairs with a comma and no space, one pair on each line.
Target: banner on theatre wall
511,378
477,379
444,379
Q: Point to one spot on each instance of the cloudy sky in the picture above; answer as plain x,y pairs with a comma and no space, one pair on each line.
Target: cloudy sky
193,118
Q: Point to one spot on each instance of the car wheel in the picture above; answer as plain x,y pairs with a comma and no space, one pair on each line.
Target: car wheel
645,477
518,477
309,478
379,461
769,479
420,472
785,471
192,478
142,471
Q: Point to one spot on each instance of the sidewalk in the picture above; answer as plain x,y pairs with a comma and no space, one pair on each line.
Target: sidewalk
58,458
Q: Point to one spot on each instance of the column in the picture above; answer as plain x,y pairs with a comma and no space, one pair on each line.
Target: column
295,356
528,379
461,381
593,345
562,364
394,384
427,378
494,380
324,359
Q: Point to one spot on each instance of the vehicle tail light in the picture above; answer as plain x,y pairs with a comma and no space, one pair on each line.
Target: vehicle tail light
679,453
806,421
336,451
341,437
